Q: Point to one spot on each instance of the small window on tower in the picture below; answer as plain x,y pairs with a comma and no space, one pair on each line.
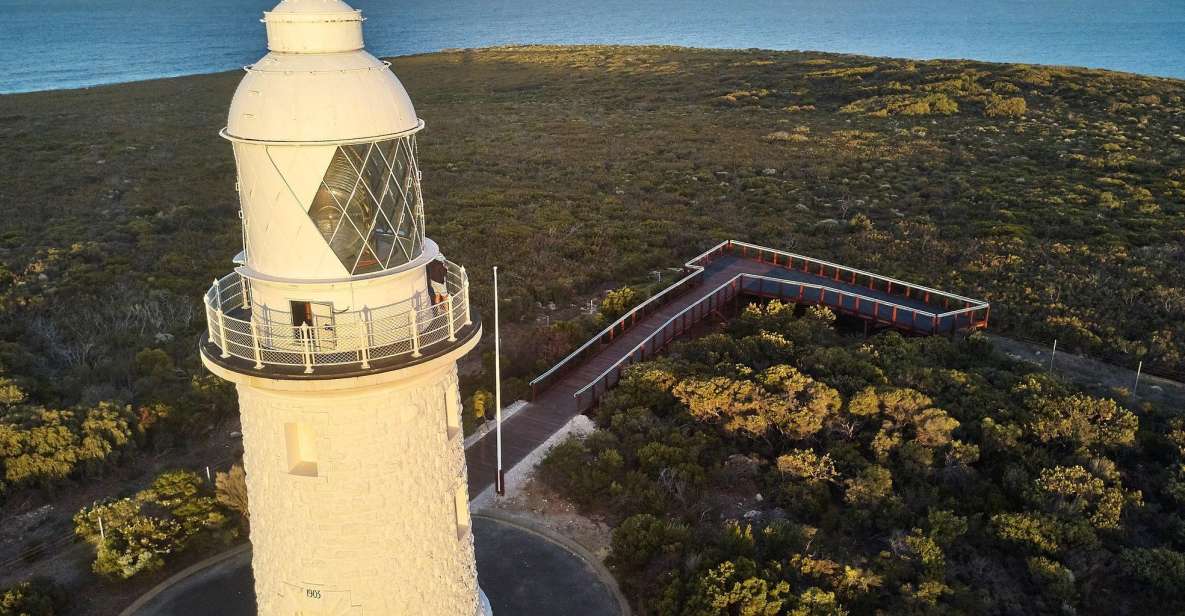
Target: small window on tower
302,449
461,506
452,414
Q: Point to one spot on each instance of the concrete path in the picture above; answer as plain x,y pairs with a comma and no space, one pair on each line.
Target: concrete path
522,571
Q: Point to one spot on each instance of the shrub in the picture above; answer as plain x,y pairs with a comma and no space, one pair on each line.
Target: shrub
36,597
1161,568
231,490
618,302
999,106
135,535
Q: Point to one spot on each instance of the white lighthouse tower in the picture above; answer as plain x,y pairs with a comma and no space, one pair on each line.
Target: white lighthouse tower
341,329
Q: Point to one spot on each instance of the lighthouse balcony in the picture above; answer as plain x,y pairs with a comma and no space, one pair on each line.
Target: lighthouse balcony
249,338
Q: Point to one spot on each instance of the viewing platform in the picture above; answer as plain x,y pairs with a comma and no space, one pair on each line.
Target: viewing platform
256,339
713,281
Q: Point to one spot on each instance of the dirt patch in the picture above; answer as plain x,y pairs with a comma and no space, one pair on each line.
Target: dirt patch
1094,374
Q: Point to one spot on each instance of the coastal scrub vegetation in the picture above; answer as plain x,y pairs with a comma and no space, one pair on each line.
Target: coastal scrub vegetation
781,467
1057,194
138,534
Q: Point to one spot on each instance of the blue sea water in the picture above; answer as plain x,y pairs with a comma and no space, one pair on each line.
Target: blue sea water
55,44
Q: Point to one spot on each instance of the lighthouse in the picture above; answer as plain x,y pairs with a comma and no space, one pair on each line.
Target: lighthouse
341,327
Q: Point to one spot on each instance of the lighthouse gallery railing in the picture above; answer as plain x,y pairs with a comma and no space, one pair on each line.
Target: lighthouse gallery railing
267,337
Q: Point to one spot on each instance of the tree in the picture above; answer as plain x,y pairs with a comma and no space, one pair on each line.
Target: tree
1081,421
873,485
807,465
231,490
618,302
1161,568
800,405
999,106
482,404
1074,491
138,534
733,588
36,597
643,546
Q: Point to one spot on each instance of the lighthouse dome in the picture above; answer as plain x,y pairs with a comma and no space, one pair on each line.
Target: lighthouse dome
318,84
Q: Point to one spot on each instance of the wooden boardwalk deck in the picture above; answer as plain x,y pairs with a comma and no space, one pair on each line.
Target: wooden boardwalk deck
556,405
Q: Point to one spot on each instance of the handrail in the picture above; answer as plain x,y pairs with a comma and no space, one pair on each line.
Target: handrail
697,266
856,271
347,338
742,277
656,331
693,265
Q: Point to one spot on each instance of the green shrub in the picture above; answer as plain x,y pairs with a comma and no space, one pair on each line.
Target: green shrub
138,534
999,106
1161,568
36,597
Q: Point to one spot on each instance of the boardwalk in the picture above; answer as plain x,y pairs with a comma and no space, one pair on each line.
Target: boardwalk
728,270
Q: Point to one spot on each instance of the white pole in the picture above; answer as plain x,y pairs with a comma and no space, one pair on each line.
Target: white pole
1053,356
208,477
1139,369
499,488
102,533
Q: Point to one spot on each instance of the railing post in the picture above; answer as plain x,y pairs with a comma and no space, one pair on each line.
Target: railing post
452,326
465,290
255,345
221,320
415,333
243,289
306,340
364,339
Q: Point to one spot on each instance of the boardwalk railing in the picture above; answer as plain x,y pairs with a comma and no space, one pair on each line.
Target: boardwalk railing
949,303
659,339
267,337
950,312
840,300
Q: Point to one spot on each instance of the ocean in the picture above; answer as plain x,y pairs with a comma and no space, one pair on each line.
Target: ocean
56,44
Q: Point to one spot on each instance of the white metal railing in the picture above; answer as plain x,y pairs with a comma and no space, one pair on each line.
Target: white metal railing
876,308
268,338
851,275
817,267
631,316
588,395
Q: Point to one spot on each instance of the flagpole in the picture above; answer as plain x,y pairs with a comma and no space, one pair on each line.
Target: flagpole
499,480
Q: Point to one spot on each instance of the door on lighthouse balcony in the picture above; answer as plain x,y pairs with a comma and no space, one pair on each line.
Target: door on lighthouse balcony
318,317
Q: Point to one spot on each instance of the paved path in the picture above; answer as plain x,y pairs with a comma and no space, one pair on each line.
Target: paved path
521,571
555,406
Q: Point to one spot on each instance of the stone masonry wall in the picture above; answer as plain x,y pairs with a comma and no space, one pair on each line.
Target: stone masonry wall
375,532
